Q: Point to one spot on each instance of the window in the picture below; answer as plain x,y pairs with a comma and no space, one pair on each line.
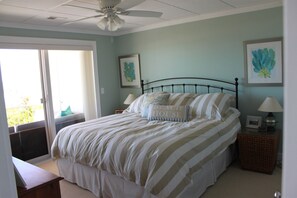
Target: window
59,73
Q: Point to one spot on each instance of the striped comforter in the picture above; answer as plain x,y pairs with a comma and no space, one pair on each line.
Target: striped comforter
161,156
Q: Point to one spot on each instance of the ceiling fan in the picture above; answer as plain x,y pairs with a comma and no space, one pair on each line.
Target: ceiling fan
110,9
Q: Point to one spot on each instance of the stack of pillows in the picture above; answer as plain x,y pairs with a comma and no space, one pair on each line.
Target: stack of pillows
181,107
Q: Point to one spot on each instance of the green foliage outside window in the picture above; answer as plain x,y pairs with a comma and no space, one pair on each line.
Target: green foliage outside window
23,114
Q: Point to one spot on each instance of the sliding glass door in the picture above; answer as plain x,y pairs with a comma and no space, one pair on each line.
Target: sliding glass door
23,98
22,86
47,89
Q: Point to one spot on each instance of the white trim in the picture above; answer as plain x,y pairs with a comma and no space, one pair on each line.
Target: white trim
148,27
15,42
96,79
47,97
55,28
289,176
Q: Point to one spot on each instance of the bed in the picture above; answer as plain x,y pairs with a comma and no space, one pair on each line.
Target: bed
172,141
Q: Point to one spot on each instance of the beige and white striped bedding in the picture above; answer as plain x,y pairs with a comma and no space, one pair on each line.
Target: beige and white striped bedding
161,156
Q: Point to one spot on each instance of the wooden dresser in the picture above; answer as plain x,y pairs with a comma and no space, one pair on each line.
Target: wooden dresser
40,183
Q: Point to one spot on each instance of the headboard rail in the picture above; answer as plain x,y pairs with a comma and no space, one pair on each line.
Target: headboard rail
209,84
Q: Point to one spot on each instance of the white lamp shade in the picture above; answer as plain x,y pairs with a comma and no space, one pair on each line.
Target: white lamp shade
129,99
270,104
102,23
117,20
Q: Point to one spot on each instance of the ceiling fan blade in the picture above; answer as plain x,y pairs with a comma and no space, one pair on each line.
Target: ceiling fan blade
70,22
75,6
141,13
126,4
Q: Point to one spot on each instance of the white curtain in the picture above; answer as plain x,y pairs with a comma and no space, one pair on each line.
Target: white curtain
89,102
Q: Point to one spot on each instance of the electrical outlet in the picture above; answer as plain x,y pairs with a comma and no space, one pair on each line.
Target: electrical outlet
102,90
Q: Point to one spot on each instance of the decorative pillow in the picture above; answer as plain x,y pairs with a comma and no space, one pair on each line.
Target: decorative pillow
158,98
181,99
211,106
66,112
136,105
168,113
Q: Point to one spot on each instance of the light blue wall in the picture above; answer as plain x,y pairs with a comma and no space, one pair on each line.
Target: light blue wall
108,72
208,48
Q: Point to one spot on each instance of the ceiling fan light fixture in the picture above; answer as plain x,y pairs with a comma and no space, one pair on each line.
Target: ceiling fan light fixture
112,25
118,20
111,21
102,23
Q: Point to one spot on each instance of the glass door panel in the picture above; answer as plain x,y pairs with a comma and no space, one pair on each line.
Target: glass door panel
23,95
22,86
67,86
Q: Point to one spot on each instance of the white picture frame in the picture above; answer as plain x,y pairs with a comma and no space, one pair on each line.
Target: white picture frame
253,122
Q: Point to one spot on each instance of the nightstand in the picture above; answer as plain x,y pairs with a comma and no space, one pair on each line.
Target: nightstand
258,150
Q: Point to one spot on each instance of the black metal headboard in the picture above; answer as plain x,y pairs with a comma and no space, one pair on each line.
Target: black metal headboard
208,83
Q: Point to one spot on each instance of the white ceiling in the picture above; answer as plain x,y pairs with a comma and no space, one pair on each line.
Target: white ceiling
34,14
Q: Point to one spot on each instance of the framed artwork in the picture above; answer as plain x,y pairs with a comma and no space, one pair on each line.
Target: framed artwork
264,62
130,70
253,122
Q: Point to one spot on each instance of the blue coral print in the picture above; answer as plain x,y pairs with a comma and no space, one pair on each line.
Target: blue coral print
129,71
263,62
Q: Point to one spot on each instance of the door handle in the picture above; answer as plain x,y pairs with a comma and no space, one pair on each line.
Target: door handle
277,194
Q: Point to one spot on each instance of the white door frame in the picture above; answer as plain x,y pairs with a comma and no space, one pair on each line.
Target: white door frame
289,177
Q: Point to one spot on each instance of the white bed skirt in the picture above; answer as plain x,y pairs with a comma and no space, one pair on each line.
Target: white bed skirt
106,185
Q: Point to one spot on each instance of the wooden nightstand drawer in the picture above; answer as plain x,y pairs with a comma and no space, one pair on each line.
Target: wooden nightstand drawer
258,150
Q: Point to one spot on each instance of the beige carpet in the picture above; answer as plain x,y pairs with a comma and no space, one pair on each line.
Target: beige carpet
234,183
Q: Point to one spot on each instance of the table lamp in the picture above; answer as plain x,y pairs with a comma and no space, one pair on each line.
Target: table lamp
270,105
130,98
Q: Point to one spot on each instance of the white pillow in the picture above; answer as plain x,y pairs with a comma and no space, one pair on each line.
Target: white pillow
135,106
